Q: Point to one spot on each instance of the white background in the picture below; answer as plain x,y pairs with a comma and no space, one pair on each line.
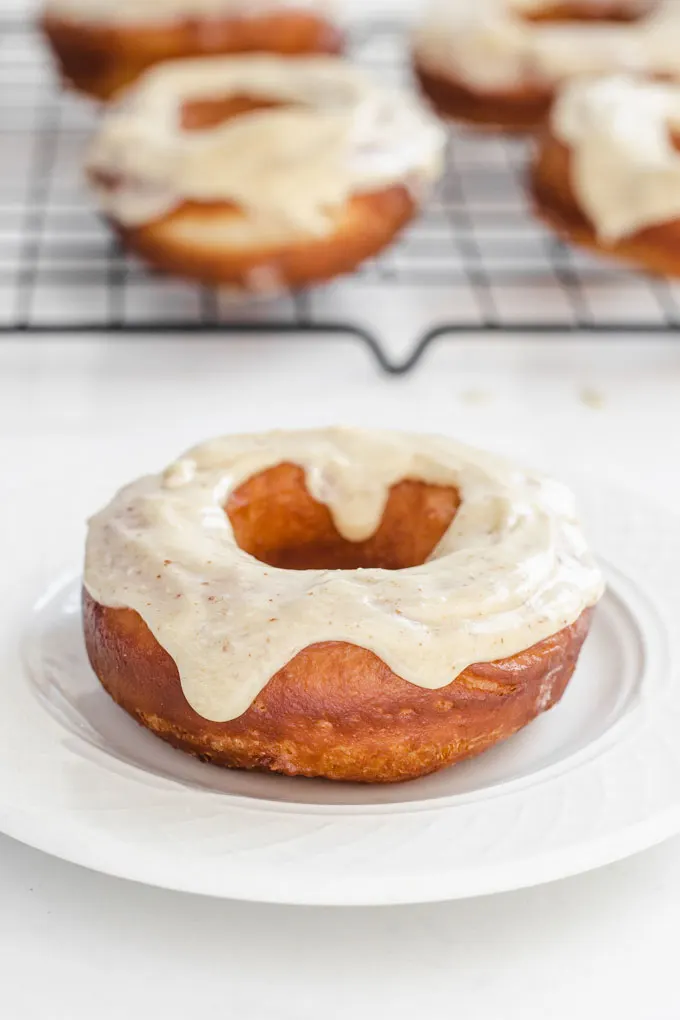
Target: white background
80,416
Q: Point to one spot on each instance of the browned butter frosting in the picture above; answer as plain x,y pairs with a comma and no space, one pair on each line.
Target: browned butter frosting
512,569
287,167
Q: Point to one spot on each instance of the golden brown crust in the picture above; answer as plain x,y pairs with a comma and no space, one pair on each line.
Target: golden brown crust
102,60
581,10
335,710
519,110
656,248
193,241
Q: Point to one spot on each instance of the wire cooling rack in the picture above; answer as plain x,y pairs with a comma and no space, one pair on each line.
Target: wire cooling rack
475,261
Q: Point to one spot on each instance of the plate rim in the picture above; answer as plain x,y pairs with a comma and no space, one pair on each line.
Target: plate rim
525,875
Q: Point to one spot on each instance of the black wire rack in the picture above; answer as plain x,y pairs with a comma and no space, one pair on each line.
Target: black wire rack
475,261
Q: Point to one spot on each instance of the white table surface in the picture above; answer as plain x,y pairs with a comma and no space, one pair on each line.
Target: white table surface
77,417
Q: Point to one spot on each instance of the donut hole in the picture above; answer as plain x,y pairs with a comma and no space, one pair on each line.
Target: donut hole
674,136
203,114
197,115
276,520
615,11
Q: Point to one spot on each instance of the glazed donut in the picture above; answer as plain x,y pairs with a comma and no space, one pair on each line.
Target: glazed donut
102,46
262,173
498,63
362,606
606,170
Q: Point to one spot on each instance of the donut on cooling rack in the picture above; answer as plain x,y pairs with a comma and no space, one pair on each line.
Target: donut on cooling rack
497,63
261,173
606,171
103,46
363,606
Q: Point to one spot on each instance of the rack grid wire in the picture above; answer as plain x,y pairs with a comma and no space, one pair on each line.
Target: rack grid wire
475,261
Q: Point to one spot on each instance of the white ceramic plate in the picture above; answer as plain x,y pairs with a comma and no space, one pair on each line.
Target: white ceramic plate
590,782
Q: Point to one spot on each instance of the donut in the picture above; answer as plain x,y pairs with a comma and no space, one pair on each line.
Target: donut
262,173
102,46
355,605
498,63
606,170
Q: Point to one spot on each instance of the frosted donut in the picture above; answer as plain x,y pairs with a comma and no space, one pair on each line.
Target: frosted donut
364,606
606,171
262,173
498,62
103,46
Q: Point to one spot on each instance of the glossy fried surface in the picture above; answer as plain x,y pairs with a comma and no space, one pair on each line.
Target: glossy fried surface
581,10
212,243
335,710
656,248
102,60
518,110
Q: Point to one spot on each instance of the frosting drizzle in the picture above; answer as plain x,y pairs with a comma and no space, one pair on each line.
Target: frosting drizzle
512,569
490,45
288,167
625,169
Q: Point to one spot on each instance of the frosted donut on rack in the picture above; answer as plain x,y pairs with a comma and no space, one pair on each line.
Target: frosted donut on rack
357,605
103,46
606,170
498,63
262,173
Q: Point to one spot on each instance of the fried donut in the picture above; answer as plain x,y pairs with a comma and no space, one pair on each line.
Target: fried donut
353,605
262,173
498,63
606,171
103,46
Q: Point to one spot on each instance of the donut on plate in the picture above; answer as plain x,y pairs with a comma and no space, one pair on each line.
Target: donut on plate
262,173
497,63
103,46
363,606
606,170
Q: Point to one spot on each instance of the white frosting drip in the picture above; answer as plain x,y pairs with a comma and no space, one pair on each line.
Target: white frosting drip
488,46
289,166
156,12
512,569
625,170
